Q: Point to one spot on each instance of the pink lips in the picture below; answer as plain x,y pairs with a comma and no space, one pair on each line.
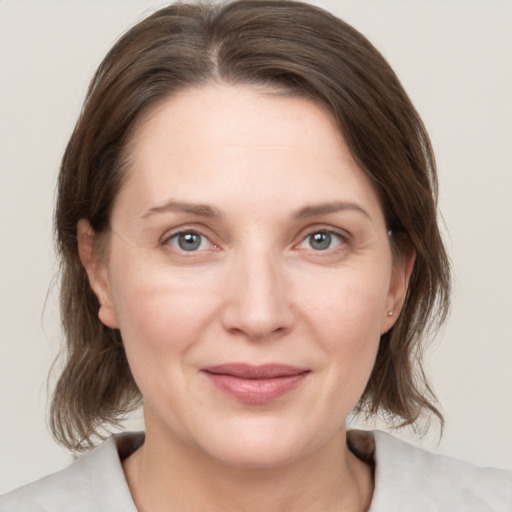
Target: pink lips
255,384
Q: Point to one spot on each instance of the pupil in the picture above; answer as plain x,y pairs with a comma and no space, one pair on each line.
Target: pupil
189,241
320,241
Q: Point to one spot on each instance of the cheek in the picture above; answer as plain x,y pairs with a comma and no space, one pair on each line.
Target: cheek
345,319
161,325
348,304
161,314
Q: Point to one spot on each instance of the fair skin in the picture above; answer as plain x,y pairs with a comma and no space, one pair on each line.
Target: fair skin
246,235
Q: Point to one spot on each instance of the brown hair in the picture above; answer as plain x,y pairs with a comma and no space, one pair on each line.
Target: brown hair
284,45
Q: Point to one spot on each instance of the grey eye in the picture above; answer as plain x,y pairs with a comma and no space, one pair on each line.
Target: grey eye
187,241
320,241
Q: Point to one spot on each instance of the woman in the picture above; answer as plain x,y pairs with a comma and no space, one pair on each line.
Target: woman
247,223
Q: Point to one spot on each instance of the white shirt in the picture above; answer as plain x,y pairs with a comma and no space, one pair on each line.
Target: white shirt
407,479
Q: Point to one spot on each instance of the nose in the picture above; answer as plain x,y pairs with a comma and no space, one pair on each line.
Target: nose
257,301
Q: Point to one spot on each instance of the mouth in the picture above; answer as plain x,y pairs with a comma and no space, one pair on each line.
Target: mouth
255,384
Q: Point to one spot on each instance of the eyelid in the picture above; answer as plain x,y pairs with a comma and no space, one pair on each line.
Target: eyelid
332,235
170,234
344,236
343,241
322,228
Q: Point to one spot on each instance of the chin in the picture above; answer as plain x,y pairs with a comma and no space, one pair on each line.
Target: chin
262,446
256,455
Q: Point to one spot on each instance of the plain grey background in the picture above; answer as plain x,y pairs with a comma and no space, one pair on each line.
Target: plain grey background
454,58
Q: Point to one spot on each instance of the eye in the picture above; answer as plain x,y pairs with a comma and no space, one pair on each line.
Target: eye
188,241
321,241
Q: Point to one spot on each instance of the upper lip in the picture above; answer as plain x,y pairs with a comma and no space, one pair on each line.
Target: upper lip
250,371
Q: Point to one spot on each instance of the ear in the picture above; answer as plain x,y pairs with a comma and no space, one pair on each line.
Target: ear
403,264
97,272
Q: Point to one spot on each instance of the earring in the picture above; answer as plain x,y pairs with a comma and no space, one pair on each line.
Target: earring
390,313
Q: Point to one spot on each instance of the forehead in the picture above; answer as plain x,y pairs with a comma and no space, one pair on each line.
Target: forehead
234,145
237,114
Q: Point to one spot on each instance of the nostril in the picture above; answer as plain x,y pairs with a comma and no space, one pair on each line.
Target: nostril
257,302
256,322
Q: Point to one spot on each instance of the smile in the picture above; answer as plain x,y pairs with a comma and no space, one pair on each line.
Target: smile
255,384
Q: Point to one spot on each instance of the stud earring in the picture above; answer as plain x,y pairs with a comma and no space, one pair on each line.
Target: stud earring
390,313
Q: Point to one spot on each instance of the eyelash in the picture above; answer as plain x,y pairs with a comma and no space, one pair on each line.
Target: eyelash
342,239
329,235
184,233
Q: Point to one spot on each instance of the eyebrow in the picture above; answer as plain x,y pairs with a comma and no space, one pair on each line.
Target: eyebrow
204,210
326,208
201,210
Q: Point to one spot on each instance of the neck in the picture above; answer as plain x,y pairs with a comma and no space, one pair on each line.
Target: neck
166,474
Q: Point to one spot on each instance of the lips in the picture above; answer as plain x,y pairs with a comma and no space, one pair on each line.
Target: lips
255,384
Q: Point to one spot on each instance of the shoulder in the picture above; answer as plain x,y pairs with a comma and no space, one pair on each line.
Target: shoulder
410,478
94,482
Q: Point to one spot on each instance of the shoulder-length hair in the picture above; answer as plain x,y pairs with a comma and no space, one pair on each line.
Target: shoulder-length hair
285,45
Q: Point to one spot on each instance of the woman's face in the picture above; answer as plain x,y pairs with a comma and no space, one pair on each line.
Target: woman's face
250,273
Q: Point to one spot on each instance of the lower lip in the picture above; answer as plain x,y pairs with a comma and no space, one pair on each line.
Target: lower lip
256,391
